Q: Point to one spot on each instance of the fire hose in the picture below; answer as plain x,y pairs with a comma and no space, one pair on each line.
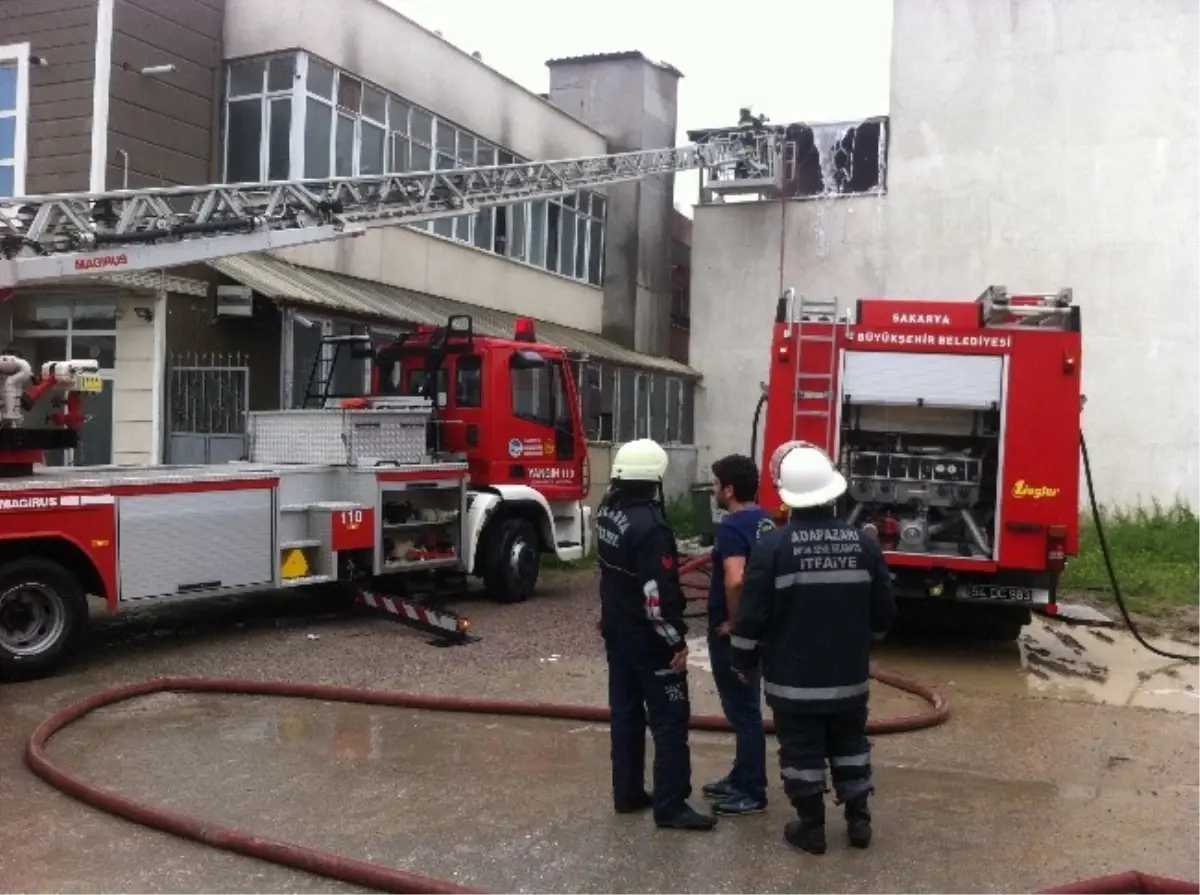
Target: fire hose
330,864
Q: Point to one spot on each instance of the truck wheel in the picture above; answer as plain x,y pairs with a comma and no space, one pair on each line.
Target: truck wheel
513,563
43,612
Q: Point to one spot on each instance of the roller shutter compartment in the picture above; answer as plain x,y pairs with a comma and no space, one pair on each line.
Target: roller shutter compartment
967,381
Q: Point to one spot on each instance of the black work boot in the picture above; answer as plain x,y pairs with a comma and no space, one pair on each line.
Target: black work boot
687,819
808,832
633,804
858,821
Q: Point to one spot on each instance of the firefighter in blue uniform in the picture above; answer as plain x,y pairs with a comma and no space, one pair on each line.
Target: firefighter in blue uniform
816,593
641,619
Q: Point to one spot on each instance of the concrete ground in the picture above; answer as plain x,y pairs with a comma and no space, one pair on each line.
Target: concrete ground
1067,756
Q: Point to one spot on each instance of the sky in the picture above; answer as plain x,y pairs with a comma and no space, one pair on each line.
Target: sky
803,60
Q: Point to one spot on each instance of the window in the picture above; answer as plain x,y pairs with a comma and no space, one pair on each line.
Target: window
468,381
852,156
674,411
14,110
45,330
532,396
293,115
641,406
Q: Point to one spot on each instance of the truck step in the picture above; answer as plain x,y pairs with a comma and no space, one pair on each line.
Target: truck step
307,579
564,544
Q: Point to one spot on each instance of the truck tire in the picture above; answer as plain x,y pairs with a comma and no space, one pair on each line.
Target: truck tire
514,561
43,613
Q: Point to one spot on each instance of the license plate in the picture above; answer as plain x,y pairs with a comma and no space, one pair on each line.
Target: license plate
91,383
1000,593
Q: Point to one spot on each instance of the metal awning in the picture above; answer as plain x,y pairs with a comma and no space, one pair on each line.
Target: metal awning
292,284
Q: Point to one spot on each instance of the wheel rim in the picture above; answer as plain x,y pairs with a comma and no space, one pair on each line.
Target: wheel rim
522,561
32,619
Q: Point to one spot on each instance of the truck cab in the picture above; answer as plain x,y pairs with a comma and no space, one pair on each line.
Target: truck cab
509,407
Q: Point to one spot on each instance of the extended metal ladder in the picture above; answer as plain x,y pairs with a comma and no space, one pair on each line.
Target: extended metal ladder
815,385
89,234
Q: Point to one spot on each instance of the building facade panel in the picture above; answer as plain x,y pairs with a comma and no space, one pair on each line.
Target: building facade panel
47,52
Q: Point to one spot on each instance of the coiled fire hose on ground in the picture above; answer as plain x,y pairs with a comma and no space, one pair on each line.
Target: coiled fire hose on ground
331,864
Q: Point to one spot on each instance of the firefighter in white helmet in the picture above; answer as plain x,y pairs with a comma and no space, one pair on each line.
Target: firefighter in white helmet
641,620
814,593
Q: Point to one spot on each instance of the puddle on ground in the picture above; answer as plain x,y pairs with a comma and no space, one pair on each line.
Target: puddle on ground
1052,659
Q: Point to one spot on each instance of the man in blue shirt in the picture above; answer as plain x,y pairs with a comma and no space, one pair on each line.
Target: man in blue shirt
735,487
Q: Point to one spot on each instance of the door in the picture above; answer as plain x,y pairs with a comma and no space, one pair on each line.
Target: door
541,441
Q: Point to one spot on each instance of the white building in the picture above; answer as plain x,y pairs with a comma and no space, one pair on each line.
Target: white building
1033,144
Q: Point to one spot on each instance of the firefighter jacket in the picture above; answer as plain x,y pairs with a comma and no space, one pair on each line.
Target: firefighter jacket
814,593
639,574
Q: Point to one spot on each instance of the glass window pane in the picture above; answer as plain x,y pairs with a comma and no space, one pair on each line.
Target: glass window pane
421,158
397,116
94,314
102,349
466,150
318,121
8,87
421,127
320,78
583,203
485,155
445,138
483,227
674,416
553,220
462,229
374,104
343,160
598,206
349,92
516,230
566,265
537,233
504,158
595,253
400,157
444,227
246,77
42,316
581,229
281,72
244,141
8,181
468,381
279,145
8,137
445,162
371,155
641,406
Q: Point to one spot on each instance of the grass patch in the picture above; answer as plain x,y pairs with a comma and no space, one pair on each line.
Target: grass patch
1155,552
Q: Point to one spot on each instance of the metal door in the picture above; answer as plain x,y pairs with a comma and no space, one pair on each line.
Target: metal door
208,397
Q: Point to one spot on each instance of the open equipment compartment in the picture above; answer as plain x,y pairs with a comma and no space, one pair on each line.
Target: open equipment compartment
920,442
421,525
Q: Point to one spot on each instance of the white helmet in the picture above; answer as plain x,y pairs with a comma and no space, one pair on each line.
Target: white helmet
806,477
643,460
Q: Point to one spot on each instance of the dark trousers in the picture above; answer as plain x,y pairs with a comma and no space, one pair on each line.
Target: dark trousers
807,742
742,705
644,691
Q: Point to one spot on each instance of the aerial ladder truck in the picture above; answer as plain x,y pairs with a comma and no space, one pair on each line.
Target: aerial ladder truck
373,495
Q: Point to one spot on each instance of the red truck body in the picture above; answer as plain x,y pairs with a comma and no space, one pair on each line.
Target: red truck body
957,425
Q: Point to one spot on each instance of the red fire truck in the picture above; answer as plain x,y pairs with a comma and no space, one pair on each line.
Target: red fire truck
443,472
957,426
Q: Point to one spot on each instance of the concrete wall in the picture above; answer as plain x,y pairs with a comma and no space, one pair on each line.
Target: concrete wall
420,261
682,472
736,281
1034,144
137,381
633,103
369,39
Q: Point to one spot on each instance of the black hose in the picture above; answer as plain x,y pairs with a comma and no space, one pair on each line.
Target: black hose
1112,574
762,400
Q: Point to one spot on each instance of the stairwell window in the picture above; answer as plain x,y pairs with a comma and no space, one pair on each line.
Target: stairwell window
258,119
14,114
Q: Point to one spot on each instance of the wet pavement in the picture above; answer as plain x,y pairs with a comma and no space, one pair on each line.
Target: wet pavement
1066,756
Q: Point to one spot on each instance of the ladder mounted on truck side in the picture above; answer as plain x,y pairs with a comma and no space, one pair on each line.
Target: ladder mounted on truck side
813,389
69,235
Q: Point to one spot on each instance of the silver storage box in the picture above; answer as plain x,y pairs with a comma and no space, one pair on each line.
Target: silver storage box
339,437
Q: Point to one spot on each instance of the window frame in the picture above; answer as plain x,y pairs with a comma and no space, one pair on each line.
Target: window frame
585,211
17,55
